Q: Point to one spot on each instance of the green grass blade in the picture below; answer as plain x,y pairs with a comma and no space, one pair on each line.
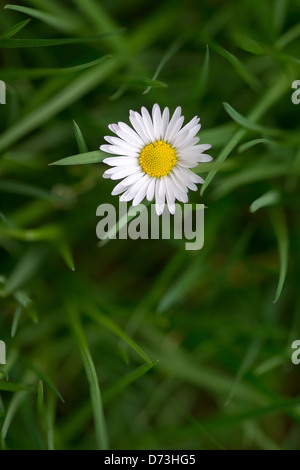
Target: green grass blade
249,44
238,66
66,253
20,43
14,30
82,147
49,419
280,7
44,233
96,156
271,97
15,403
200,85
107,323
251,143
42,376
16,320
140,81
13,387
18,187
27,266
126,380
97,15
40,399
36,73
289,36
252,126
250,175
168,55
248,360
48,18
91,373
72,92
281,232
268,199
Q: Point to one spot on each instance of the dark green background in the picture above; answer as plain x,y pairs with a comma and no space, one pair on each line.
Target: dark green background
224,376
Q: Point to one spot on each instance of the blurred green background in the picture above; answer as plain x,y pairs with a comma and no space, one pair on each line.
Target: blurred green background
141,344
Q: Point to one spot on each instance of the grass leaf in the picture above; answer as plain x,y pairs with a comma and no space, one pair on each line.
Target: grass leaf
91,373
48,18
115,389
268,199
42,376
36,73
20,43
274,93
96,156
13,31
168,55
82,147
110,325
281,232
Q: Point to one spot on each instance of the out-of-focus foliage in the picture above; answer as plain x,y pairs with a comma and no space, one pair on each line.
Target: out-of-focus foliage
141,344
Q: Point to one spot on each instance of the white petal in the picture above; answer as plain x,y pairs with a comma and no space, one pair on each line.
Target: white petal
197,179
118,189
183,139
122,143
125,197
174,124
183,197
205,158
159,208
179,139
106,148
118,173
164,122
159,192
180,189
129,134
151,189
193,150
189,184
131,179
159,197
106,175
157,122
148,123
115,149
170,196
112,127
161,189
141,193
177,180
120,161
137,122
190,175
133,190
188,131
189,163
188,142
126,133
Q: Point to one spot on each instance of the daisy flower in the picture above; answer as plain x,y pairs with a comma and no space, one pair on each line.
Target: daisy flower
153,157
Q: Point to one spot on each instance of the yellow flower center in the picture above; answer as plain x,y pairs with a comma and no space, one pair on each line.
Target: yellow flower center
158,158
